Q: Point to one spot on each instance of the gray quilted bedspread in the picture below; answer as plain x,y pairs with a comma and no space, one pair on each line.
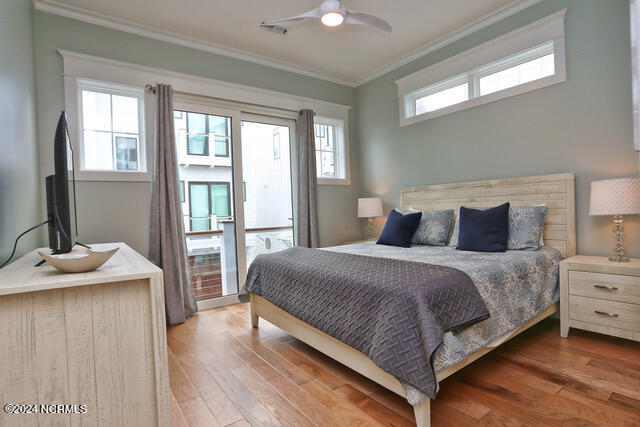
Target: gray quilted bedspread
515,285
394,311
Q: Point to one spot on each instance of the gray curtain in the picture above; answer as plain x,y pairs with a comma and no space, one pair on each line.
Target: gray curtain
307,219
167,246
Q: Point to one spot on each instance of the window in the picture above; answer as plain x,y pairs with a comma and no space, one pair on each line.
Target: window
276,143
325,151
331,159
201,128
442,98
515,75
112,134
526,59
182,191
209,203
126,153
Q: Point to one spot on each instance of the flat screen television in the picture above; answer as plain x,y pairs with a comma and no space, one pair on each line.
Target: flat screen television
61,197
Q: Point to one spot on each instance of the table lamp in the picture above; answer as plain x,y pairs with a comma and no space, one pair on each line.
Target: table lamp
369,207
616,197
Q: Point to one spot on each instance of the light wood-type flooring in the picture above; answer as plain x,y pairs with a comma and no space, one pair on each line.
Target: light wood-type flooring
223,372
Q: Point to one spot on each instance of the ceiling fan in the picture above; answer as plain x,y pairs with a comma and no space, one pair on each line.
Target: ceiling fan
332,14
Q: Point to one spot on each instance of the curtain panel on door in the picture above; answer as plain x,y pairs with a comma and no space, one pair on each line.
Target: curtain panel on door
167,247
307,219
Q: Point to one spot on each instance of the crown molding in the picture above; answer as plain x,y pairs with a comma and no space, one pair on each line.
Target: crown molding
84,15
472,27
81,14
82,66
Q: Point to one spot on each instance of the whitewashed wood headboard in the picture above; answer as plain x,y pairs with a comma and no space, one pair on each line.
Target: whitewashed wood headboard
556,191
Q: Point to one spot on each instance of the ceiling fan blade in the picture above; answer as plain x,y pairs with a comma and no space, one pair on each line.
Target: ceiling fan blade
366,19
314,13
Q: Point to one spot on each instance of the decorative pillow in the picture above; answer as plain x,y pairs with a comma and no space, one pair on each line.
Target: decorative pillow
525,226
484,230
434,227
399,229
453,240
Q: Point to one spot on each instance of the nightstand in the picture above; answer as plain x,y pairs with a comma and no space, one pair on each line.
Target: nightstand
601,296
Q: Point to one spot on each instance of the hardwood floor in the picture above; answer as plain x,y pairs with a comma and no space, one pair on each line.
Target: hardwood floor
225,373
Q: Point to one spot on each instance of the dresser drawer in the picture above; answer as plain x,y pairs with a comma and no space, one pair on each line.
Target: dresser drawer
603,312
612,287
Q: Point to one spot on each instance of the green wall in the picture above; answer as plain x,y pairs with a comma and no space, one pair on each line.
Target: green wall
583,125
119,211
19,182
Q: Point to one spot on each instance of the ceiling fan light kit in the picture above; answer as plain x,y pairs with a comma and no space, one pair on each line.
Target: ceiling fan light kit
332,19
332,14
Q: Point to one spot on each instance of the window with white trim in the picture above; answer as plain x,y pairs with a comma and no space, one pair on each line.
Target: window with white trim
331,158
526,59
532,64
111,128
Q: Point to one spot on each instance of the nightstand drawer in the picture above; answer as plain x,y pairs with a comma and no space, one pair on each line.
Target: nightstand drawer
607,313
612,287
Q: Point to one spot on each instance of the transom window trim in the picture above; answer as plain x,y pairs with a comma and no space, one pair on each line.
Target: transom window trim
532,41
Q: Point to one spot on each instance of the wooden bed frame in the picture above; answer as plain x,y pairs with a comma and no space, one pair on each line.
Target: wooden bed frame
556,191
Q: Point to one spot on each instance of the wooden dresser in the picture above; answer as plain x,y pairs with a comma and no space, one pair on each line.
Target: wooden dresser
96,339
600,296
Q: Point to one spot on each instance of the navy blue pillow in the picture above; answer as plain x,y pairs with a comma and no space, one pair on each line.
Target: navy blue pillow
399,229
484,230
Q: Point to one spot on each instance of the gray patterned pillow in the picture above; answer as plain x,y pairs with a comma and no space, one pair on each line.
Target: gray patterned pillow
453,240
433,228
525,226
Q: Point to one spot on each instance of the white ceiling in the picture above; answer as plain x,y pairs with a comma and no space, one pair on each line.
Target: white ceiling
349,54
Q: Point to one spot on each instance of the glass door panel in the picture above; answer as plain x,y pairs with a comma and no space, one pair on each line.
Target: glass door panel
204,145
267,196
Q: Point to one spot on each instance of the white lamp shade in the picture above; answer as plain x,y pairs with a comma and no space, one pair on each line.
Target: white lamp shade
369,207
615,197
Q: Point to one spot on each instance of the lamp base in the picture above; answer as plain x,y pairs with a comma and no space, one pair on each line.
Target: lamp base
615,259
618,251
370,228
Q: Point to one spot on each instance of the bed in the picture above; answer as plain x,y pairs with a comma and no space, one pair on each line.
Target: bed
556,191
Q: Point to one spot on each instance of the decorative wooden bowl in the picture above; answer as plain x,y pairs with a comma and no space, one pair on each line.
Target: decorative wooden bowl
78,261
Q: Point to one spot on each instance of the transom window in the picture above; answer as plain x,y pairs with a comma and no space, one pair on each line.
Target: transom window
442,98
515,70
526,59
111,129
515,75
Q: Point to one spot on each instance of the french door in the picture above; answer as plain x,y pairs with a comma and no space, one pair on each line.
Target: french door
235,185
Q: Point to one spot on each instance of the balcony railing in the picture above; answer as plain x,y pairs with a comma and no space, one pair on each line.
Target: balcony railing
212,255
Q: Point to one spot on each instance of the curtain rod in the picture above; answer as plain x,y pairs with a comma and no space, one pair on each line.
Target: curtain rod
152,89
